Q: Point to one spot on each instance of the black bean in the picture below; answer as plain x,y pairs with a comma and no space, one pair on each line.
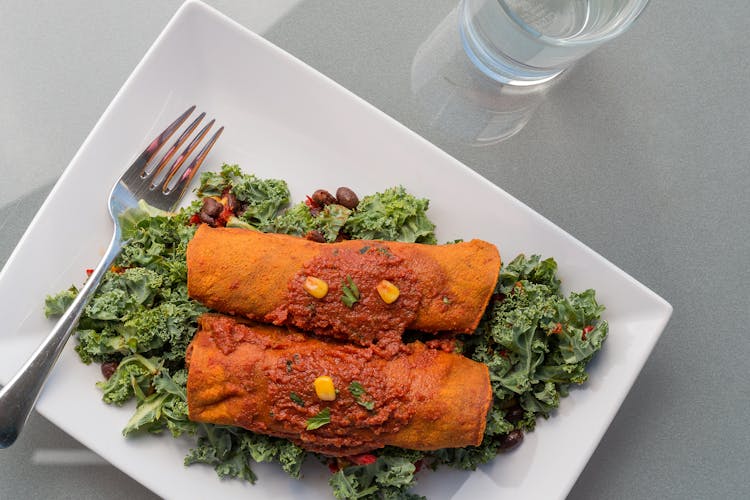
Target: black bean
508,403
204,217
347,198
109,368
323,197
315,235
511,440
211,207
232,203
514,415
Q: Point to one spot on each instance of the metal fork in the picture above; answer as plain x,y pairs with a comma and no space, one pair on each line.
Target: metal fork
157,186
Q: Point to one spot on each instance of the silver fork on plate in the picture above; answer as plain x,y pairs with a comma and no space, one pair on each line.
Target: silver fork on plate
157,186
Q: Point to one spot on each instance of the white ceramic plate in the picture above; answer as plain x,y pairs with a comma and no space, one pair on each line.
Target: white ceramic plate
283,119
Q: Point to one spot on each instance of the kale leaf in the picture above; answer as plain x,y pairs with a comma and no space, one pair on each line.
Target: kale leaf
55,305
393,215
389,476
134,375
232,450
260,199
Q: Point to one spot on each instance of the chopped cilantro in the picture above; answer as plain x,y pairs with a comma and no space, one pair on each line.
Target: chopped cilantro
357,391
322,418
350,292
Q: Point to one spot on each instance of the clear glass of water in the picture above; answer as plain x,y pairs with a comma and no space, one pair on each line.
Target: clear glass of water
527,42
459,103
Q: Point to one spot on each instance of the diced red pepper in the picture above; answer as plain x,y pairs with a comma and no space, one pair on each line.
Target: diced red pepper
224,216
363,459
89,272
311,203
334,466
556,329
418,465
586,331
194,219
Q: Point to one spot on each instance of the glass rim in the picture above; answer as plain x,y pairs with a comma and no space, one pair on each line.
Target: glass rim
638,6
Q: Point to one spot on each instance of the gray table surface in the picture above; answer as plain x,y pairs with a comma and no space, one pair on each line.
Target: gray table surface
641,153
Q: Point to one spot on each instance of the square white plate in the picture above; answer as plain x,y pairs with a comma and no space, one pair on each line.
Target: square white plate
283,119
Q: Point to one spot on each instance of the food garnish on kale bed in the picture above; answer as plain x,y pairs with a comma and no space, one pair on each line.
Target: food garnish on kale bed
534,340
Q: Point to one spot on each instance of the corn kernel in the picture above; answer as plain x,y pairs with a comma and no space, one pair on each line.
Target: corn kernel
315,287
387,291
324,388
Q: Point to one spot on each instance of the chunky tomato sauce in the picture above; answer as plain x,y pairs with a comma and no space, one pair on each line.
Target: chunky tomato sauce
294,400
262,378
367,320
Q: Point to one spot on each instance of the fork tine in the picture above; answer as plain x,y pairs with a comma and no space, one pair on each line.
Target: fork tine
174,193
171,151
166,184
137,168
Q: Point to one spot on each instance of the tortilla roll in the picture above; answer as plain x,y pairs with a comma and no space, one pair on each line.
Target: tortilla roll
262,378
439,288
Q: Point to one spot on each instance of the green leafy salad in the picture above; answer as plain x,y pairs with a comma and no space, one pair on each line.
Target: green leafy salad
535,340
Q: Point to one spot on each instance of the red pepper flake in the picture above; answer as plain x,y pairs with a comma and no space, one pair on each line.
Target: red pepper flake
89,272
586,331
224,216
557,329
311,203
363,459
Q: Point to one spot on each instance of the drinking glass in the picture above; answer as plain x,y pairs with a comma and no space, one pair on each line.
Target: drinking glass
482,73
459,102
526,42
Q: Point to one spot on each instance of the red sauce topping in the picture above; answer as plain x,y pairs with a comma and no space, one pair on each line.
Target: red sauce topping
369,319
293,399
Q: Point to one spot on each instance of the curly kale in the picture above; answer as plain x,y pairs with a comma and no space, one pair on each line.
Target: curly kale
535,341
393,215
55,305
261,199
134,376
389,476
231,451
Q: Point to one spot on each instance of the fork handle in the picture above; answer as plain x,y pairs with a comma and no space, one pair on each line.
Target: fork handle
19,396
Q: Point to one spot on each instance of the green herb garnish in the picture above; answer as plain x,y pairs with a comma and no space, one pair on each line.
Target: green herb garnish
296,398
350,293
322,418
357,391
